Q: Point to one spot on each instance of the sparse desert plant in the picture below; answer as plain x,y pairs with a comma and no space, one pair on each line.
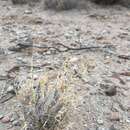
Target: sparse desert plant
19,1
60,4
43,107
105,2
23,1
47,102
43,115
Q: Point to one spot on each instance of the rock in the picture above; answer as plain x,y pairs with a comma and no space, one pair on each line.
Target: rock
35,77
37,21
14,117
1,116
10,89
115,116
27,12
16,123
111,91
125,105
115,107
100,121
74,59
102,128
5,119
113,128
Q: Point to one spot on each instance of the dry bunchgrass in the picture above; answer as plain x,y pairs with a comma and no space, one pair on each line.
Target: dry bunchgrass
105,2
23,1
47,106
19,1
60,4
70,4
45,113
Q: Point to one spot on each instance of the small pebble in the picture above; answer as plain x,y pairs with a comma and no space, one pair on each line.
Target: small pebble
38,21
115,116
100,121
111,91
113,128
28,12
1,116
16,123
5,119
35,77
10,89
102,128
14,117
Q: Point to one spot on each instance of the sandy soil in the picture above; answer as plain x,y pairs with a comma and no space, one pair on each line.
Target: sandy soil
92,73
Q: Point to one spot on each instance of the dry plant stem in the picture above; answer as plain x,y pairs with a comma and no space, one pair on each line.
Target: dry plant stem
6,97
67,48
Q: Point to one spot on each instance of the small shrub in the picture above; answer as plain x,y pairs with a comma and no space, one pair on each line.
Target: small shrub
60,4
43,115
23,1
105,2
19,1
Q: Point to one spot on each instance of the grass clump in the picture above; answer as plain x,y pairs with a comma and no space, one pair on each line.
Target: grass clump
105,2
43,104
19,1
60,4
23,1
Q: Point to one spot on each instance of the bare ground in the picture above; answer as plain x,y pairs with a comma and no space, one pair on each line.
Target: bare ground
97,79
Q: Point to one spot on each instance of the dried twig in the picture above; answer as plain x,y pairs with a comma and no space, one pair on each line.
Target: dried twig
57,47
126,57
7,97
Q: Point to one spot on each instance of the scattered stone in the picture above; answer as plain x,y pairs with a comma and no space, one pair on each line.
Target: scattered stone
37,21
10,89
125,105
115,107
113,128
115,116
27,12
16,123
35,77
5,119
102,128
74,59
14,117
111,91
100,121
1,116
128,120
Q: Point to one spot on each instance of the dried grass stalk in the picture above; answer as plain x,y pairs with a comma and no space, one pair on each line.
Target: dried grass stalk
42,115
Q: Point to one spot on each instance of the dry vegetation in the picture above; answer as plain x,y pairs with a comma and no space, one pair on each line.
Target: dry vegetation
48,100
23,1
63,4
45,103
